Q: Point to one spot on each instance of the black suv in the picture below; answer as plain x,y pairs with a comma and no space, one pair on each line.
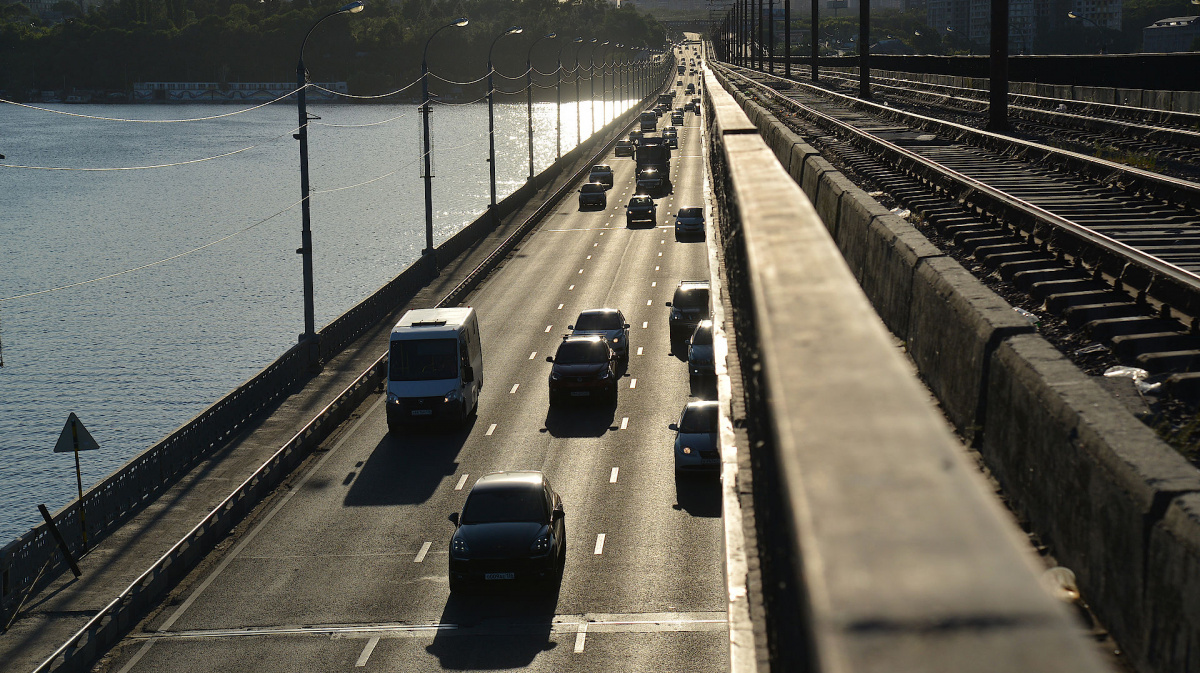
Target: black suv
584,366
641,208
689,306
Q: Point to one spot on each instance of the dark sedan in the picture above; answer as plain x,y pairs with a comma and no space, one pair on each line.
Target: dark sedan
511,529
696,448
584,366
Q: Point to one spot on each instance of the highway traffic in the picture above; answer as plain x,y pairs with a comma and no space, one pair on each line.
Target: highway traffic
349,569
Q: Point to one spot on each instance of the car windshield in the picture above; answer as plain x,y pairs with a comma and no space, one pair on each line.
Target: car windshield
644,201
703,336
694,298
581,352
423,360
699,418
689,212
595,322
592,187
499,505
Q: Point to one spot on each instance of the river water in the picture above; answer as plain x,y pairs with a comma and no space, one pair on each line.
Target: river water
136,355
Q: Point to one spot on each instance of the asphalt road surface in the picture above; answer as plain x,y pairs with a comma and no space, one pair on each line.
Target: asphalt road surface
348,570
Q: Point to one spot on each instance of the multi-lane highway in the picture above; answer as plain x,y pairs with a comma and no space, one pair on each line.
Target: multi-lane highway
348,570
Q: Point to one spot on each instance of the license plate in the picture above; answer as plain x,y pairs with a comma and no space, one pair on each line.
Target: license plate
579,393
422,412
709,461
499,576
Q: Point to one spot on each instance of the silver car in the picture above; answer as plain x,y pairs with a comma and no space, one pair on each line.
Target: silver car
700,351
696,447
689,222
604,322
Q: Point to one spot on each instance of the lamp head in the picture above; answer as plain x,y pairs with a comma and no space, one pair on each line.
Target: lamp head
1072,15
549,36
460,22
515,30
352,8
578,40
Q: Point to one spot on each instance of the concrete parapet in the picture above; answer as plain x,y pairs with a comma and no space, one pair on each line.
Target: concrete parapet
1095,487
901,559
1129,97
1185,101
1111,501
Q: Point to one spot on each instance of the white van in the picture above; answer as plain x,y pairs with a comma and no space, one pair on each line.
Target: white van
435,367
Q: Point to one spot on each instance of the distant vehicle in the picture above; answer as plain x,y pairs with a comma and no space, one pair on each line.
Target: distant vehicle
666,98
691,88
670,131
680,68
653,158
673,142
593,194
689,106
689,221
679,82
601,173
635,136
607,323
700,351
624,148
511,529
584,366
648,121
641,208
435,367
696,447
677,117
688,307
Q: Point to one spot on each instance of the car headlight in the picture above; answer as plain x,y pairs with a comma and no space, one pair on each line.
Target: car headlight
454,395
459,548
687,450
392,397
554,376
616,340
541,546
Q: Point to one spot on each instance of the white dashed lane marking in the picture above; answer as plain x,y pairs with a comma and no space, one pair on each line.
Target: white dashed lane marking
514,388
533,355
490,430
421,554
560,307
580,637
649,302
632,383
639,350
599,544
624,423
462,481
644,325
366,653
548,328
612,477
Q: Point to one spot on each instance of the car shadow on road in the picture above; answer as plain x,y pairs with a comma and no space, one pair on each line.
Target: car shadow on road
698,494
703,387
406,468
497,628
582,419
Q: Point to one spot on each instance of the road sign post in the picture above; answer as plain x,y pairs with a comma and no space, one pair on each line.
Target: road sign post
75,438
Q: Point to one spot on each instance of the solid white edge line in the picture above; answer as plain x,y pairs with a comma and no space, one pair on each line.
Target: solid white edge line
742,650
599,544
421,554
366,653
462,481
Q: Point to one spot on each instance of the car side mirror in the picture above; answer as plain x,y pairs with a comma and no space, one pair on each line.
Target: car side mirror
468,375
453,518
667,304
626,326
673,426
570,327
549,358
557,514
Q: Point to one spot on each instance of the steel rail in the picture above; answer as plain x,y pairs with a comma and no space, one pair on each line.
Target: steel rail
1170,284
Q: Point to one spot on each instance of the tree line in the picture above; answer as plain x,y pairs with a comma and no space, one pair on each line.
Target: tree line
114,44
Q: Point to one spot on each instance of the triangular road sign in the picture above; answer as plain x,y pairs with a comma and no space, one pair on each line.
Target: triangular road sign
75,437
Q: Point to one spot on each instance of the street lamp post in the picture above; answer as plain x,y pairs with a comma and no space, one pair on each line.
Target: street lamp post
558,108
427,151
592,83
578,106
310,330
529,93
492,119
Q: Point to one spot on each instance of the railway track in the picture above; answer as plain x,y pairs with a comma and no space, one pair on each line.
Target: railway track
1167,142
1103,257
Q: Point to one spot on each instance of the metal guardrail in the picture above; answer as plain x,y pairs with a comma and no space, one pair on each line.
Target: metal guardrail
111,622
1174,286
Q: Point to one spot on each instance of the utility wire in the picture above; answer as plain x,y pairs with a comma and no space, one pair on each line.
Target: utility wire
369,97
142,168
152,121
